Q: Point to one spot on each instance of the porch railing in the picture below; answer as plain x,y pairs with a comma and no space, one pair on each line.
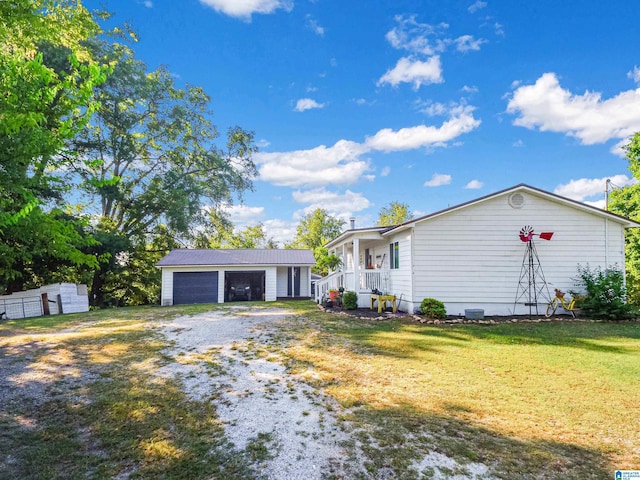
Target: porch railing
367,281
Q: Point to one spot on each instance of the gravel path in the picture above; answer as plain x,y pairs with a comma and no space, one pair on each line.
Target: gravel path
221,356
256,398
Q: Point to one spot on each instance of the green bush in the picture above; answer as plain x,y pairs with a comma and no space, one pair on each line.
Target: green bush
350,300
432,308
606,295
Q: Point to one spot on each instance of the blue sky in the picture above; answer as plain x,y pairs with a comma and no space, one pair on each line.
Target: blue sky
358,103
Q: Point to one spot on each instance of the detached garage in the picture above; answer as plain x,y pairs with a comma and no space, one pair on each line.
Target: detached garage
218,276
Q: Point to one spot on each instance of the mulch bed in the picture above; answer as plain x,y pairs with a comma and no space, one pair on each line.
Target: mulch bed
367,314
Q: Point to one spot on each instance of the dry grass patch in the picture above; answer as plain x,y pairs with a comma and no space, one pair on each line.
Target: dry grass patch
85,402
545,399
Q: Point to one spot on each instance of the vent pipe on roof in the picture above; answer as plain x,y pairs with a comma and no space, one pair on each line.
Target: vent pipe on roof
353,222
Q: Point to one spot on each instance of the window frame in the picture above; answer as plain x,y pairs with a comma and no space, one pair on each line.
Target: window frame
394,255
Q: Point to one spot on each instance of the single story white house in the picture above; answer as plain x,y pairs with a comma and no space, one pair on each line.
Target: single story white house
218,276
475,255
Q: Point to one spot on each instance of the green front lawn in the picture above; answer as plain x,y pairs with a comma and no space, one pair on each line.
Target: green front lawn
550,400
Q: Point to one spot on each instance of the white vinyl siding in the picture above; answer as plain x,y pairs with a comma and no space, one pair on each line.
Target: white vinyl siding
400,283
283,279
167,280
473,257
283,274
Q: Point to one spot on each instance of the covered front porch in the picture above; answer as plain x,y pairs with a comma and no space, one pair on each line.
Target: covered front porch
364,265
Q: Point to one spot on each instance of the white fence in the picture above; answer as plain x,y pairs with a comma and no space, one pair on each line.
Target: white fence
48,300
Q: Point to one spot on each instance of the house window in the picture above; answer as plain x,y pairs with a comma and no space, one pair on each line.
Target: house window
394,255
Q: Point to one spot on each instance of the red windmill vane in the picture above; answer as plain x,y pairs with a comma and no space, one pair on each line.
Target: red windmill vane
532,284
526,234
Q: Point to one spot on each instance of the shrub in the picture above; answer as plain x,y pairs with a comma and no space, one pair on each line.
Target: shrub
350,300
606,295
432,308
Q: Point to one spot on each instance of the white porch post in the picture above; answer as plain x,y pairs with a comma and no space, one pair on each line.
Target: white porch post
356,264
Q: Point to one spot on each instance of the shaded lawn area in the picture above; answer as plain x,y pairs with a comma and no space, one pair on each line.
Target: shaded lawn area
84,401
535,400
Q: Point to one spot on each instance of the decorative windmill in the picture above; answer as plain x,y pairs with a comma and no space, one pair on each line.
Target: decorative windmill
532,284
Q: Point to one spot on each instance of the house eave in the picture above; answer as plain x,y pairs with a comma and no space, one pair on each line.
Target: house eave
628,223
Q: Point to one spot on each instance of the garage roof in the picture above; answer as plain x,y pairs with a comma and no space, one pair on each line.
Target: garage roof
185,257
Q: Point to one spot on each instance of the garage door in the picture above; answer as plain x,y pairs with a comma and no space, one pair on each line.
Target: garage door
195,287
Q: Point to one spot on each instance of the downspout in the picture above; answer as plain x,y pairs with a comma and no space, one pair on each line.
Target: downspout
412,278
606,243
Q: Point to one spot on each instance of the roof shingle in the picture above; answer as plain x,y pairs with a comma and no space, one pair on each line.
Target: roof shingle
185,257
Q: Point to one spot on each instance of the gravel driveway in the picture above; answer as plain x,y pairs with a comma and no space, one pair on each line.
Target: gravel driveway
228,357
220,356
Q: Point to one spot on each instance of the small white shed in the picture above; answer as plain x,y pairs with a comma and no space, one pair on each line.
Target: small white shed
218,276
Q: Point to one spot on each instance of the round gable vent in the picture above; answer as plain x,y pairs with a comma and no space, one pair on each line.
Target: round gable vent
516,200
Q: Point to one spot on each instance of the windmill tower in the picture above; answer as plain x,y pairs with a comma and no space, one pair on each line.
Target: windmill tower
532,285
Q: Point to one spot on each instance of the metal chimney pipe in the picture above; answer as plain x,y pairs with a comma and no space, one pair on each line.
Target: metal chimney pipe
353,222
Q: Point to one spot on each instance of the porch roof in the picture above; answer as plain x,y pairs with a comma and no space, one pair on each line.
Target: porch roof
374,232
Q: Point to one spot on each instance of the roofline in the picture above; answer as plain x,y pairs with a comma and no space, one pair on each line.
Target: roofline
346,233
521,186
256,265
270,264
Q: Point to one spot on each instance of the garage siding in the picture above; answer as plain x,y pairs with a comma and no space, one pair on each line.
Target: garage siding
273,283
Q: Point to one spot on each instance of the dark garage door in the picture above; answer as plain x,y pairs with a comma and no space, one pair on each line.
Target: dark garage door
195,287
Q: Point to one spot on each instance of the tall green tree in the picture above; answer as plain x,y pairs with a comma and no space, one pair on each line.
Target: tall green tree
47,80
150,156
394,214
315,230
626,202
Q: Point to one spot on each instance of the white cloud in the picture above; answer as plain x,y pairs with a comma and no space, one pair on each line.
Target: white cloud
282,231
341,205
262,143
498,28
470,89
634,74
339,164
591,187
437,180
433,109
474,184
415,37
419,73
598,203
314,26
307,104
342,163
467,43
547,106
385,172
518,143
148,3
245,8
387,140
243,214
476,6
